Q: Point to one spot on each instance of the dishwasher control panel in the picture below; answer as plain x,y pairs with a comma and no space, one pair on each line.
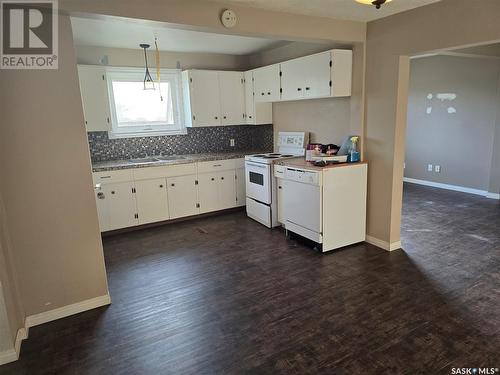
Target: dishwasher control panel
301,175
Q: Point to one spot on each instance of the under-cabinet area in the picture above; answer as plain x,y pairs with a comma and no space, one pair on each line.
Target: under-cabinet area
137,196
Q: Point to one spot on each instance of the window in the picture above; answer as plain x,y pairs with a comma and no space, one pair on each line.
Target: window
136,112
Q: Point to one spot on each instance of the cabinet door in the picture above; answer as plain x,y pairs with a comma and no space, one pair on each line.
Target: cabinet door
182,196
249,103
240,187
102,208
281,206
121,205
293,79
226,189
205,97
208,192
152,202
94,92
317,75
267,83
341,72
232,99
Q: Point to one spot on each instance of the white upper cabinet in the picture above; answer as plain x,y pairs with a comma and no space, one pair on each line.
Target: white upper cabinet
232,98
267,83
256,113
341,72
249,102
325,74
201,97
94,92
213,98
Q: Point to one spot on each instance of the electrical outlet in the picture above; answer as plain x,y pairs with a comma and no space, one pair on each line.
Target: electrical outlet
437,168
231,142
404,165
429,167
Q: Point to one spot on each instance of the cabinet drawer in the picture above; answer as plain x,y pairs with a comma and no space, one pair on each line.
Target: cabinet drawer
108,177
216,165
164,171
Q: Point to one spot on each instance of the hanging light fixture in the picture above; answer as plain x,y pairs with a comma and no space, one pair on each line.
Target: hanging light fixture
377,3
149,84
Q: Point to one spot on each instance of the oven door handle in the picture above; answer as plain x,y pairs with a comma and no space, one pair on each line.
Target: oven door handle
257,165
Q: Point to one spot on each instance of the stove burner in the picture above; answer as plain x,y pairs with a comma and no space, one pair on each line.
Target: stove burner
271,157
259,156
287,156
274,154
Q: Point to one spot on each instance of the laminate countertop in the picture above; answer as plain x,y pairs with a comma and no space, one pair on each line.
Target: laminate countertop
112,165
302,163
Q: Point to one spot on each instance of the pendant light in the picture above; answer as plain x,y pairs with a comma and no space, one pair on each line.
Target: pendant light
149,84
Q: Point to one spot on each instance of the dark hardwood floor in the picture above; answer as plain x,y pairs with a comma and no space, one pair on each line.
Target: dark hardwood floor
225,295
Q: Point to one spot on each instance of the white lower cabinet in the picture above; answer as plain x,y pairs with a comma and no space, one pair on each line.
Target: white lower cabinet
217,191
152,201
240,187
208,192
121,205
182,196
129,197
226,189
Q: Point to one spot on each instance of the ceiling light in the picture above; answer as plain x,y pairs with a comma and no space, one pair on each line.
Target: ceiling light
377,3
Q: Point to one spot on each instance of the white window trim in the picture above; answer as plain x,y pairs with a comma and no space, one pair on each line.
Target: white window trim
177,104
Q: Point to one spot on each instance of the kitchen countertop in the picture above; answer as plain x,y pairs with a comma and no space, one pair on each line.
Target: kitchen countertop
112,165
302,163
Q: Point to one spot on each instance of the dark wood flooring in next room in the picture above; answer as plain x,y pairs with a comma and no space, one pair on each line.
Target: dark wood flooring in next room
224,295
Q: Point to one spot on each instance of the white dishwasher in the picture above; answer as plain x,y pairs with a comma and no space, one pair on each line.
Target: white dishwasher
302,201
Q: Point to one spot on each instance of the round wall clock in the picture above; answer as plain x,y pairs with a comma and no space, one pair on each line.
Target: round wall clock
228,18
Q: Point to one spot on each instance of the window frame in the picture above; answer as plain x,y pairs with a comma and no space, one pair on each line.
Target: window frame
145,129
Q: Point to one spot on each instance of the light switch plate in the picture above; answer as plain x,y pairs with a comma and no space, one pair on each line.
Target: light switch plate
429,167
231,142
437,168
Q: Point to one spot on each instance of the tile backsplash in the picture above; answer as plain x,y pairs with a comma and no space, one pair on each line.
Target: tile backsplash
196,141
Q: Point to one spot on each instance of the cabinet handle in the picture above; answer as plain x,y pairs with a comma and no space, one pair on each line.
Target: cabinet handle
216,118
112,192
172,184
308,88
225,117
299,89
217,165
222,178
213,179
268,93
279,187
250,116
100,195
161,186
262,93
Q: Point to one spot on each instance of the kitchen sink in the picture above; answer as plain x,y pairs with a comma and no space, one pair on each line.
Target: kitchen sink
170,158
143,160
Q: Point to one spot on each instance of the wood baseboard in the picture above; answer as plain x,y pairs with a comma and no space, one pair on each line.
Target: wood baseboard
62,312
383,244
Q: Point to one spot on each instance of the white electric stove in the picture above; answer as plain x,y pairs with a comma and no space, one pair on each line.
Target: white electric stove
261,184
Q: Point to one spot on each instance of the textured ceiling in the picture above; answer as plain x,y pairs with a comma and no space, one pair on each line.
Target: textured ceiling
341,9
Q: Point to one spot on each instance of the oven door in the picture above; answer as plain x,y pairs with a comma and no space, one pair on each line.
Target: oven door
258,181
